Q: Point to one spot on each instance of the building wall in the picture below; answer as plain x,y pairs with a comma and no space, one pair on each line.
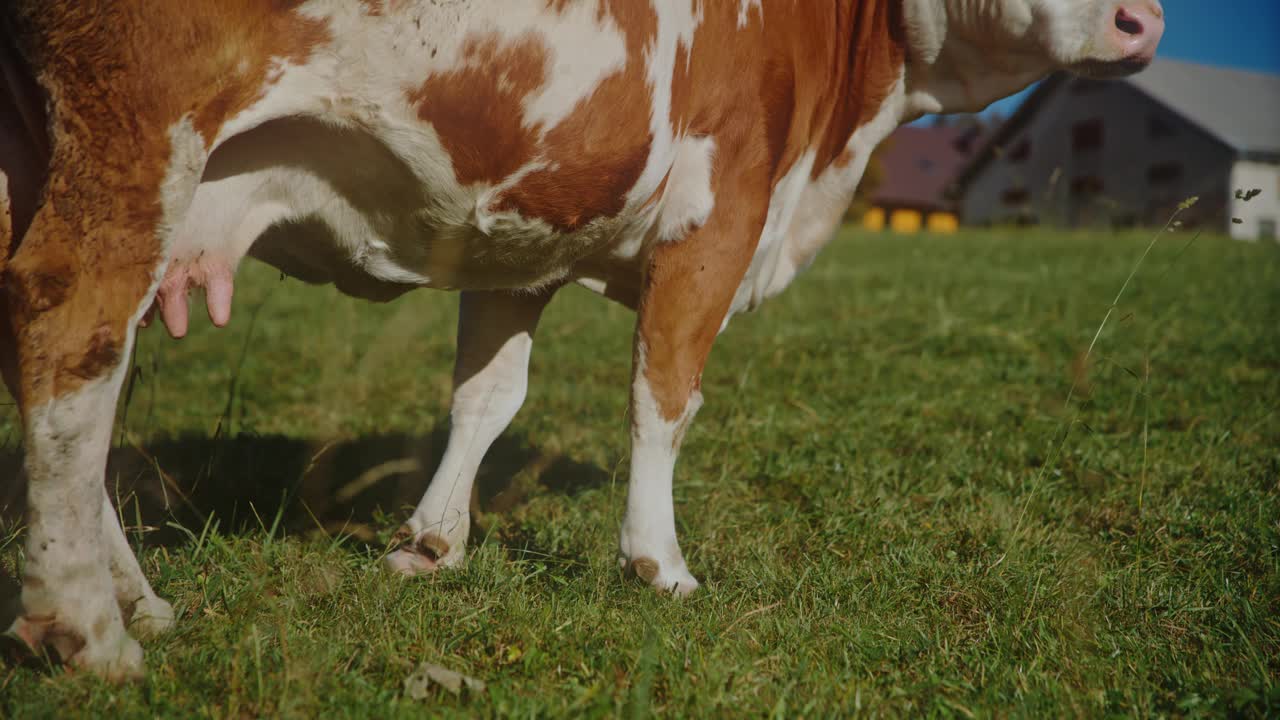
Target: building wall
1097,154
1261,215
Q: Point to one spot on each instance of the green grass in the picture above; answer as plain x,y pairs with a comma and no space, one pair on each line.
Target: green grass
892,506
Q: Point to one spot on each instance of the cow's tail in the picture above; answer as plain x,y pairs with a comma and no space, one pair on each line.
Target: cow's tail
25,140
24,164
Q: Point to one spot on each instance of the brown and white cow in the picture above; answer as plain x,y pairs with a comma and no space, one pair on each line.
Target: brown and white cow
683,157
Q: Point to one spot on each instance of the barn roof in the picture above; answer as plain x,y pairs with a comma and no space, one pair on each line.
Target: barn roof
1240,108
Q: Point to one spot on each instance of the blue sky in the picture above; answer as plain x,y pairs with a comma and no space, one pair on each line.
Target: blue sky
1235,33
1238,33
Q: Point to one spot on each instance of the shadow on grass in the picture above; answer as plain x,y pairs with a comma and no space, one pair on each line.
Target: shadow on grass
361,488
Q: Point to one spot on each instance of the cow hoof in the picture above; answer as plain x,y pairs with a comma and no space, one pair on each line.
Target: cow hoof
424,554
113,656
676,581
115,660
150,617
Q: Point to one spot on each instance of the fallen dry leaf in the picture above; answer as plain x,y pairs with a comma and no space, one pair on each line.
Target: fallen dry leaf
417,685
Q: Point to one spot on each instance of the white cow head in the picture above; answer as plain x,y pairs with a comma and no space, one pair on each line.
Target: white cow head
966,53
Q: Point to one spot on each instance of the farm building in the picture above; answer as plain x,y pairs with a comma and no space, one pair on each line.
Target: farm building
917,166
1090,153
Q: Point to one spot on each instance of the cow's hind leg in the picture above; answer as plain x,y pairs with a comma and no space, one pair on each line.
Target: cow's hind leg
75,289
490,378
68,595
145,613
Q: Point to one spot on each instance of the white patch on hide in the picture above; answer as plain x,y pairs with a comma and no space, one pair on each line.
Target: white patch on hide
585,46
687,200
649,527
177,189
678,20
782,204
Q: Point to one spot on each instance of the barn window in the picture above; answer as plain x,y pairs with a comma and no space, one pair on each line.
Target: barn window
1087,135
1021,152
1159,126
1267,229
1015,196
1164,173
1086,185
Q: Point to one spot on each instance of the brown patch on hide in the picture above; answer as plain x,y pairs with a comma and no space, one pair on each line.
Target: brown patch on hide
809,74
433,546
257,42
690,286
100,628
875,53
477,109
645,568
597,152
101,357
40,289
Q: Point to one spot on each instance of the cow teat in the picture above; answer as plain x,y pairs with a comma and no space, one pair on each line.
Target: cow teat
215,276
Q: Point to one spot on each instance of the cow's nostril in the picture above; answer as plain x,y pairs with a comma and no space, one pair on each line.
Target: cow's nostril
1127,23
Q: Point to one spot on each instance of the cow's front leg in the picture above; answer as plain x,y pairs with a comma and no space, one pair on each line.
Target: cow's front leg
688,291
490,378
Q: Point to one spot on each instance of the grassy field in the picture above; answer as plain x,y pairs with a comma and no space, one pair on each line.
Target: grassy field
893,505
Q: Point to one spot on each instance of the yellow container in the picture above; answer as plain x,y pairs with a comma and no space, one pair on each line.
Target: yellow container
906,221
873,219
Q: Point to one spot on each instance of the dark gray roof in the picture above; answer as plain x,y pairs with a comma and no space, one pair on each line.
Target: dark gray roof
1239,107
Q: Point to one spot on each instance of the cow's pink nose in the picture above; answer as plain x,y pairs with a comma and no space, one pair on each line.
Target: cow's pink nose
1139,27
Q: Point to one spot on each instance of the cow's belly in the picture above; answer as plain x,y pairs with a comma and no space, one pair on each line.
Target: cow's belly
332,205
